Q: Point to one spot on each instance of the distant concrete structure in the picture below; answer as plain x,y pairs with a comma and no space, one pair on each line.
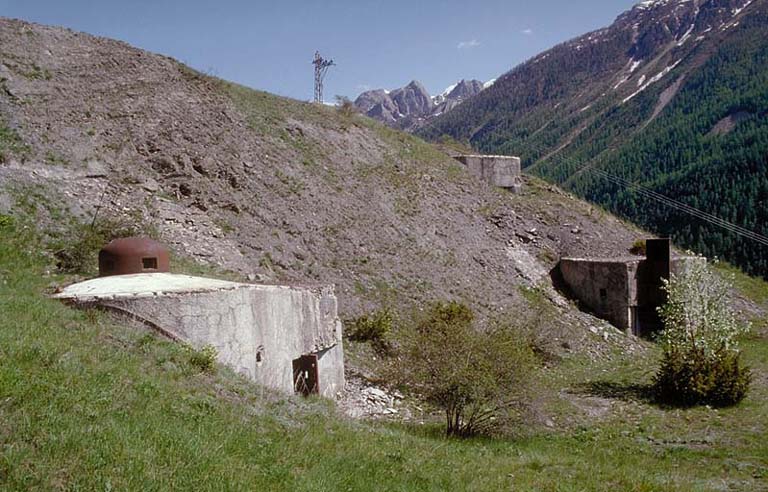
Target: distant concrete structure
625,291
496,170
286,338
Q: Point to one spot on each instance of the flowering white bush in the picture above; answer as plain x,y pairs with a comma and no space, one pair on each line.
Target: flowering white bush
697,316
701,363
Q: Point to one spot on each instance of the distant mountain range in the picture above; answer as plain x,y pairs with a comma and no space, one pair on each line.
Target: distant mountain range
672,98
410,106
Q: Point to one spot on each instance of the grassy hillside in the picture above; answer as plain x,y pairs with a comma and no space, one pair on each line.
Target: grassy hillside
88,403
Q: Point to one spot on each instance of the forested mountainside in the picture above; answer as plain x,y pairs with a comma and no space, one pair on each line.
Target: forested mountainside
670,99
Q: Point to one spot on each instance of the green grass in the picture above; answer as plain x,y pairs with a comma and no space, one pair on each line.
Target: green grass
89,404
37,73
268,113
751,287
10,143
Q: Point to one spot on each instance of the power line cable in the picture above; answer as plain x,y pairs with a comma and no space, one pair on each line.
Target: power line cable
653,195
641,190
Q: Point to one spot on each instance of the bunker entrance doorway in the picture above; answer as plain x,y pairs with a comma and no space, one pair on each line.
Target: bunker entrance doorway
305,375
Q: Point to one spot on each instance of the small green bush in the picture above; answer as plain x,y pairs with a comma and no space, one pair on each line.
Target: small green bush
6,222
477,377
701,364
638,247
698,380
375,328
77,253
204,360
345,107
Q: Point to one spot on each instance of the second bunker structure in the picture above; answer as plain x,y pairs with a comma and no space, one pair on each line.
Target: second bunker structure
625,291
496,170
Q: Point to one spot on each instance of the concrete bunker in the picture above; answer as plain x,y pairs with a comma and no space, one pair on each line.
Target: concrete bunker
626,290
496,170
133,255
259,331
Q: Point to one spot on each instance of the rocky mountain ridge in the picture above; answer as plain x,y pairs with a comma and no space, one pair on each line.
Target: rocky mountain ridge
411,106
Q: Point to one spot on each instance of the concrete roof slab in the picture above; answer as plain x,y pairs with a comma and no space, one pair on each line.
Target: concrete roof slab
143,285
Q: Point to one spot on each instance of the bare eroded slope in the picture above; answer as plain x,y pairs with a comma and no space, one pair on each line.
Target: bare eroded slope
281,189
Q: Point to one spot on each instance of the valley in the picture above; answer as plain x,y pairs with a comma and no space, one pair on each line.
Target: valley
102,140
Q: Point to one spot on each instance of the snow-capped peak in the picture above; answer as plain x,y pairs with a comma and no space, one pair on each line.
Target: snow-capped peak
444,95
649,4
449,89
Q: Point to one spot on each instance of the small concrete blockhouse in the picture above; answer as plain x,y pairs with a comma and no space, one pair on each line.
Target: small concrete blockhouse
133,255
286,338
496,170
625,291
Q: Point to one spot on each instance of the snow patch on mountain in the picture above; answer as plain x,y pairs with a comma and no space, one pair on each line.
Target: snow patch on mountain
652,81
439,98
685,36
649,4
737,11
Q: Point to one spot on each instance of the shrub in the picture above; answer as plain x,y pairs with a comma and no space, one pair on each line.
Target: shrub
78,252
345,107
475,377
375,328
204,360
698,379
638,247
701,362
6,222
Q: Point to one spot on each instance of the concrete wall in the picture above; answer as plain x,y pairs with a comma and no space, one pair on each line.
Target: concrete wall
618,290
501,171
257,330
603,286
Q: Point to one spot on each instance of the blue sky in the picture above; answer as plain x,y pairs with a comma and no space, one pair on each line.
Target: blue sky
268,45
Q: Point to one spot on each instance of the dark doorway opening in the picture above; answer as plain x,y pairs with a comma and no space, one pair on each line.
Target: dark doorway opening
305,375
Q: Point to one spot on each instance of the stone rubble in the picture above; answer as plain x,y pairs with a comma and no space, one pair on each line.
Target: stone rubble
362,400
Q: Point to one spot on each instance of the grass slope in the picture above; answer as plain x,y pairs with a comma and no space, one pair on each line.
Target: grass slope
87,404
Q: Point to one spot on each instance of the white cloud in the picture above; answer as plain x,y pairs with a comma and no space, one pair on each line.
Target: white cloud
527,32
472,43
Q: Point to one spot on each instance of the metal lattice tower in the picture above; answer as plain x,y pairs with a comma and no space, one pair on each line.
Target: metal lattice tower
321,68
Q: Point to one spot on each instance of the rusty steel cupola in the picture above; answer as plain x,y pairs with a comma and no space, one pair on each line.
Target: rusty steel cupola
133,255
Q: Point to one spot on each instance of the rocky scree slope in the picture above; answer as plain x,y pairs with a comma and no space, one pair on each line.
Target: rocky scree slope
279,190
672,97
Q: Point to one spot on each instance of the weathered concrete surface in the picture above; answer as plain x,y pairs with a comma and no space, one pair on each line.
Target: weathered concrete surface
496,170
258,330
143,285
603,285
613,287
